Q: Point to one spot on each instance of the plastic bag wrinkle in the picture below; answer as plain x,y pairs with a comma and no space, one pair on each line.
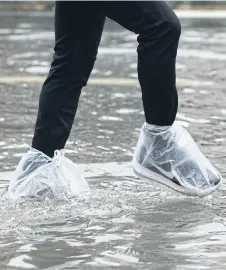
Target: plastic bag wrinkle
37,175
171,150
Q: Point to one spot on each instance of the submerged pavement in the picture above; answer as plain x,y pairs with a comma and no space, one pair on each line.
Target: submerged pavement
124,223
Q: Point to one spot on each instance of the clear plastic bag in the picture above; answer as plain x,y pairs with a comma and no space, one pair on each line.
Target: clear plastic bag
39,176
169,155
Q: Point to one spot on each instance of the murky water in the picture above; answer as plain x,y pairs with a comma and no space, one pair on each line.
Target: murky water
124,223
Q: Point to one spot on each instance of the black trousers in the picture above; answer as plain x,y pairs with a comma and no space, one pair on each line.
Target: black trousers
78,30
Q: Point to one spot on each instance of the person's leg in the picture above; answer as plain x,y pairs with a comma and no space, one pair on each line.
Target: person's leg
78,30
158,31
165,151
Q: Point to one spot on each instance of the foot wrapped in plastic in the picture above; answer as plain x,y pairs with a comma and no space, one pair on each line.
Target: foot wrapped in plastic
170,156
38,175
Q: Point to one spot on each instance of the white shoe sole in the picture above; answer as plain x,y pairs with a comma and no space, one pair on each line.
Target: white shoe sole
150,176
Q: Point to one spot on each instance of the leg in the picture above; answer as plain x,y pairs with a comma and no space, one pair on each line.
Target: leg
78,30
165,152
158,32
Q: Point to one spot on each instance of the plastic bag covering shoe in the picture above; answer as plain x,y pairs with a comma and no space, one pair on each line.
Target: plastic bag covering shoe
170,156
38,175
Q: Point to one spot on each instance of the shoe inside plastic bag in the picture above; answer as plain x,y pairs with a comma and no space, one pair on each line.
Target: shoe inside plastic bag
38,175
170,156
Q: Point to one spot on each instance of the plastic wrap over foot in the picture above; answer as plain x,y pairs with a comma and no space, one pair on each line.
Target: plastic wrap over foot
39,176
170,156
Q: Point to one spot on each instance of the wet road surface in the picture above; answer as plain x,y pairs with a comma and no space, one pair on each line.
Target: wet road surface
124,223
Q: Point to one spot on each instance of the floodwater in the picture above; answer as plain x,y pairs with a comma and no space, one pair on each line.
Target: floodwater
123,223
